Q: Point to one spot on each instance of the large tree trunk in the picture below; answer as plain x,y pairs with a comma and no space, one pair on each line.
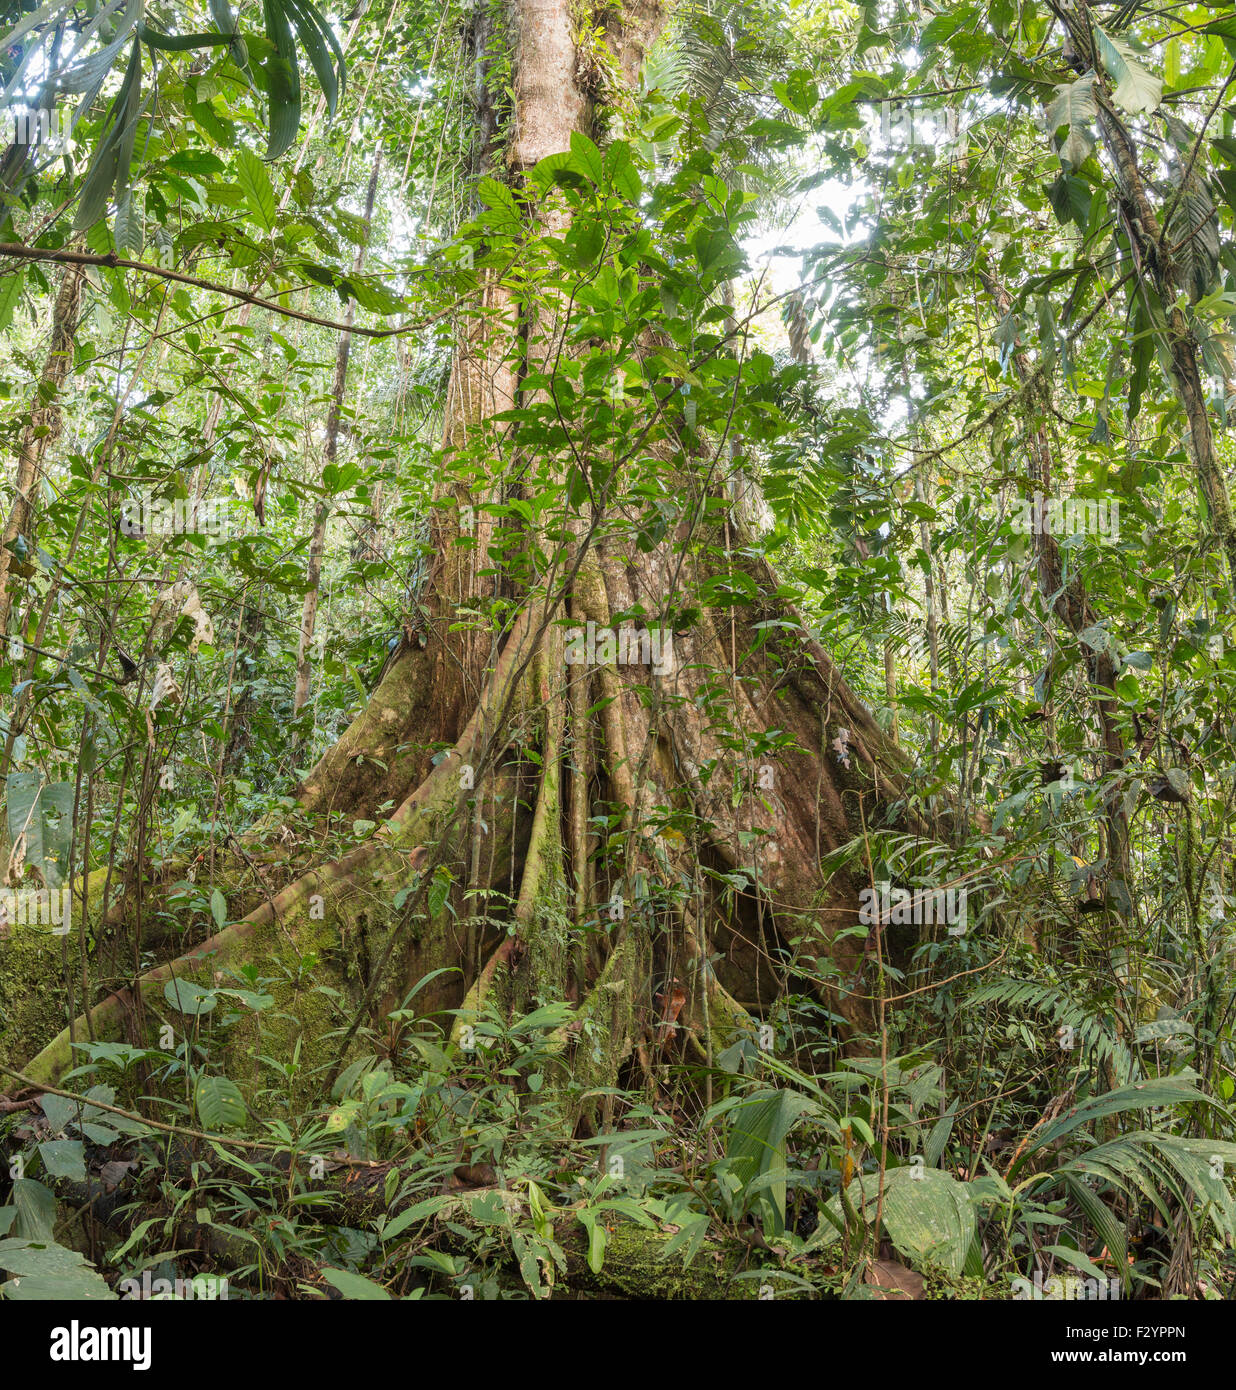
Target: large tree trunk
507,812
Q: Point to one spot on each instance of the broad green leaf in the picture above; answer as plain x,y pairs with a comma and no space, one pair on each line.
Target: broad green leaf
756,1146
108,174
36,1210
593,1222
64,1158
130,223
45,1271
355,1286
189,998
400,1223
257,188
283,81
1143,1095
1073,106
1136,90
42,812
219,1102
928,1215
11,287
59,1111
319,43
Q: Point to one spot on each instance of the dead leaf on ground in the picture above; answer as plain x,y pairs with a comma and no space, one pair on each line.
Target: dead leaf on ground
475,1175
894,1281
115,1172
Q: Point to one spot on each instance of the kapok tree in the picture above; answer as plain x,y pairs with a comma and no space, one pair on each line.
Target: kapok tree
608,759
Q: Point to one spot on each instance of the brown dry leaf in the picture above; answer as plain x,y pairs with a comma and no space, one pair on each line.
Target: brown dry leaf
841,746
475,1175
669,1002
165,691
115,1172
894,1281
185,593
17,860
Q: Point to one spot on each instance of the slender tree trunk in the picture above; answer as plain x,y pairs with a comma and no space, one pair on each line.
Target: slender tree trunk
1155,266
1069,600
317,543
40,433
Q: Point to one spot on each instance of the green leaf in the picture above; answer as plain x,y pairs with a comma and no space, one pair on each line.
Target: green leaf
283,81
583,243
218,908
439,890
43,1270
1080,1262
756,1146
11,287
130,223
36,1210
429,1207
547,1017
108,174
220,1104
225,22
620,167
59,1111
189,998
1178,780
1136,90
586,157
43,813
64,1158
928,1215
593,1222
319,42
180,43
798,93
355,1286
1171,1090
1073,106
256,186
501,209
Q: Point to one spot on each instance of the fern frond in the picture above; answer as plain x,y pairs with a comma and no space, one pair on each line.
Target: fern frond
1065,1012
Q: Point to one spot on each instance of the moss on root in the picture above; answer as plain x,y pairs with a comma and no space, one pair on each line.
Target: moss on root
635,1267
33,993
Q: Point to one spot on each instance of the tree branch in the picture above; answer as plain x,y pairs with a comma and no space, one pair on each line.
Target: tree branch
113,262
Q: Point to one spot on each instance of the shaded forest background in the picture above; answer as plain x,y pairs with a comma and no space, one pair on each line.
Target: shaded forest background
874,359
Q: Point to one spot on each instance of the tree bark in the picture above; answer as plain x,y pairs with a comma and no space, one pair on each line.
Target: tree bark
1154,264
41,431
527,763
